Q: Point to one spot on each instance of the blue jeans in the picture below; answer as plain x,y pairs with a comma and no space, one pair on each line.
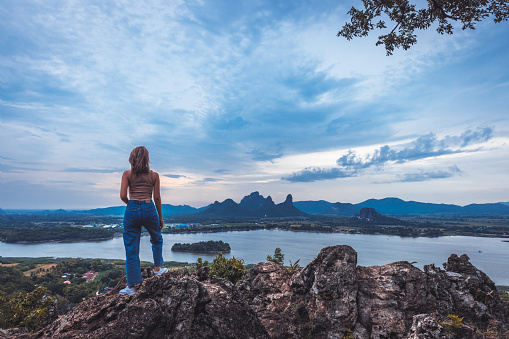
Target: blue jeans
137,214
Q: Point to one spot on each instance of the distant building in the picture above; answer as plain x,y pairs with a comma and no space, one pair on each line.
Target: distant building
185,225
89,275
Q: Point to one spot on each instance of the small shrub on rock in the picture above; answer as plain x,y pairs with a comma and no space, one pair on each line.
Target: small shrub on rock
231,269
278,258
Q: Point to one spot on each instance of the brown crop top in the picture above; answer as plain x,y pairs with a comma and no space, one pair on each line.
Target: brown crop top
142,186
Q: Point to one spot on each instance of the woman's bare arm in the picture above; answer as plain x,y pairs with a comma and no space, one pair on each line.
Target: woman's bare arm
157,199
124,185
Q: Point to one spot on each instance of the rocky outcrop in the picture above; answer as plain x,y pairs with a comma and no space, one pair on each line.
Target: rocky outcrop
167,306
368,213
330,298
284,209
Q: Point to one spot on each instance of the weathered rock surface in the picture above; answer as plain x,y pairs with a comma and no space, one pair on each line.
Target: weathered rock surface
330,298
333,298
167,306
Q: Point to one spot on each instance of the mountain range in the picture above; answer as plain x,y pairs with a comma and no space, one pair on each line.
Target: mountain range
255,205
395,206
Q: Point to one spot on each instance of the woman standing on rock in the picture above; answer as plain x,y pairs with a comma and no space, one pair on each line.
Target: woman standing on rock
142,183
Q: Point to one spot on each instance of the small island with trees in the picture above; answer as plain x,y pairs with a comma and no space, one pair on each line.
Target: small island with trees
203,247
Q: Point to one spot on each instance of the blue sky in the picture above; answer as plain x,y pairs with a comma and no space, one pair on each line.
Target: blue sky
232,97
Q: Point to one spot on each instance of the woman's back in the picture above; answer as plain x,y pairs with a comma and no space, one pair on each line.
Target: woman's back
141,187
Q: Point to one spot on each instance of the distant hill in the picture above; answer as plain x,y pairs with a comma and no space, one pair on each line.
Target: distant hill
167,209
504,203
345,209
396,206
227,208
480,209
253,205
313,207
370,215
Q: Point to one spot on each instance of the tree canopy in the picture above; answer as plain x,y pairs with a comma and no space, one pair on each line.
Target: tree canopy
202,247
407,17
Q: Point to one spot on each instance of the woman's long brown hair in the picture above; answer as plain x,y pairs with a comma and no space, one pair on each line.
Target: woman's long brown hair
139,161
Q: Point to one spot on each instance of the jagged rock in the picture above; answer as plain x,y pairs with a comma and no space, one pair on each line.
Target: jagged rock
202,273
330,298
389,296
13,332
329,284
267,290
167,306
424,326
466,291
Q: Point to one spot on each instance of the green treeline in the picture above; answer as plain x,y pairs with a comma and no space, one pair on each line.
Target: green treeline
31,233
202,247
244,226
401,231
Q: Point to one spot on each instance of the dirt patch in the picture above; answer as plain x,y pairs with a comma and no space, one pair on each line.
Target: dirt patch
42,267
9,265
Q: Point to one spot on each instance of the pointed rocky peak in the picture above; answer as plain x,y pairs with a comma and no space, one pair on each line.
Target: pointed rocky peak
253,202
289,200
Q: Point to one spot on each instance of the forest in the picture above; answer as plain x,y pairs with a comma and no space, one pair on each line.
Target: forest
32,233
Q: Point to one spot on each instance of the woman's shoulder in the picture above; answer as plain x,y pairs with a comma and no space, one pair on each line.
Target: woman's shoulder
127,173
155,175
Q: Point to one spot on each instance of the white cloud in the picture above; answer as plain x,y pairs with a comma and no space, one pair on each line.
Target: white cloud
258,89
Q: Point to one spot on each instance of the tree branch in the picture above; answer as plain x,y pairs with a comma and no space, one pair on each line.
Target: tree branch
442,11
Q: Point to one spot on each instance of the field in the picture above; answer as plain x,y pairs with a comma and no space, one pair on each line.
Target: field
39,270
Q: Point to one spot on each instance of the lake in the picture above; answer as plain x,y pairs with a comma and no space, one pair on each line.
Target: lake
488,254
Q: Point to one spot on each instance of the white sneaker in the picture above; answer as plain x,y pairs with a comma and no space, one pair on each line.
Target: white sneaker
128,290
161,271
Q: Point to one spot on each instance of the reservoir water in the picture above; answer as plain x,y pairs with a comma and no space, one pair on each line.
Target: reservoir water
488,254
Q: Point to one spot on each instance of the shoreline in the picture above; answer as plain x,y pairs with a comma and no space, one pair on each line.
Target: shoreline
501,236
57,240
202,252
